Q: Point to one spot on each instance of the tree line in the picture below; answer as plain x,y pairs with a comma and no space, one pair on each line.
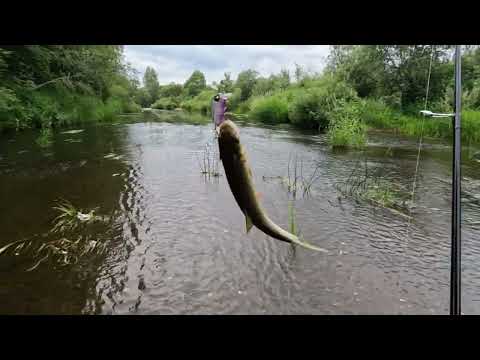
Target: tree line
50,85
372,85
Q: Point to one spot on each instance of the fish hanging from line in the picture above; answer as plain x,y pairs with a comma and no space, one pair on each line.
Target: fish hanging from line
240,179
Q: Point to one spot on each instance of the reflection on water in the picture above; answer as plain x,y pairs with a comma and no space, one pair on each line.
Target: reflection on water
178,243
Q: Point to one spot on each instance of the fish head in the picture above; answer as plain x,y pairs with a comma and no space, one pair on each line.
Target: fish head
229,134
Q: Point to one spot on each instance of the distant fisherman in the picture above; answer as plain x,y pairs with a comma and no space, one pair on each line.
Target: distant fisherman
219,108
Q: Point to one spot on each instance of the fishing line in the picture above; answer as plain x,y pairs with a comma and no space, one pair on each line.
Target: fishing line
420,141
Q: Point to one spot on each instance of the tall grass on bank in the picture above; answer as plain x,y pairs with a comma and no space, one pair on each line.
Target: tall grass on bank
184,117
269,109
201,103
378,115
56,108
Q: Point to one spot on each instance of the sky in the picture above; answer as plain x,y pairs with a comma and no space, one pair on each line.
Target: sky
175,63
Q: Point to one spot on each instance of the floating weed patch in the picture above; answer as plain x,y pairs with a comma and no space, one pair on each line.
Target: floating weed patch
373,186
67,242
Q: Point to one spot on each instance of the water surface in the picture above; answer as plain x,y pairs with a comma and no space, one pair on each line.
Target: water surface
179,244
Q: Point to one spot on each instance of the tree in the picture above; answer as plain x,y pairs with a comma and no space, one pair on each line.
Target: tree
143,97
195,84
171,90
393,71
282,80
246,81
226,84
150,82
407,70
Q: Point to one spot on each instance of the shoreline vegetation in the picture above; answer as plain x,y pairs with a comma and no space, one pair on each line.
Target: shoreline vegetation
361,88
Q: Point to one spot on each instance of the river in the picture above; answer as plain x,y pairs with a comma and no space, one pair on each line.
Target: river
177,240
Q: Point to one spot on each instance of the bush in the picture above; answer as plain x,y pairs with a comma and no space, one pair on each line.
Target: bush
310,107
235,99
308,111
201,103
377,114
166,104
346,127
12,111
271,109
244,107
131,107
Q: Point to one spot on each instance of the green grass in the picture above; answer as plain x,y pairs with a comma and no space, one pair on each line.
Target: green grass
269,109
56,108
381,193
44,140
202,103
184,117
377,115
166,104
346,128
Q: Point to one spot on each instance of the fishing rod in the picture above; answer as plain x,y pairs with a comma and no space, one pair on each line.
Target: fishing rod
455,259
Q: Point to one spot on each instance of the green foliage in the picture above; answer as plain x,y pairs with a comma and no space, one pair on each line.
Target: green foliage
201,103
143,98
382,193
246,81
171,90
271,109
235,99
264,86
54,85
151,84
10,107
166,103
346,127
45,138
226,84
400,70
195,84
311,106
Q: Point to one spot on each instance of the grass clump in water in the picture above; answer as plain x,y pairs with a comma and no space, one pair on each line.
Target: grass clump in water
209,164
346,128
373,185
45,138
382,194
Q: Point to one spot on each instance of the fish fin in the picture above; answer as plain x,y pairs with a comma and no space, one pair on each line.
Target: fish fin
248,223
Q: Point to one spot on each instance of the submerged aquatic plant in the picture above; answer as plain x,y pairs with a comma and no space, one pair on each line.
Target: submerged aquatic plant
372,185
209,164
296,181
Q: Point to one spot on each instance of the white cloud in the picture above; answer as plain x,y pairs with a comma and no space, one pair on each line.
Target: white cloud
177,62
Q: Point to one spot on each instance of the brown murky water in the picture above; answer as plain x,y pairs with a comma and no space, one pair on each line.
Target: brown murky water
178,239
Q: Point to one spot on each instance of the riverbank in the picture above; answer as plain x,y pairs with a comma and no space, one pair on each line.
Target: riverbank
376,116
45,110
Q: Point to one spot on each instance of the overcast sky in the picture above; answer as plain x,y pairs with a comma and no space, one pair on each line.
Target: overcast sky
177,62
